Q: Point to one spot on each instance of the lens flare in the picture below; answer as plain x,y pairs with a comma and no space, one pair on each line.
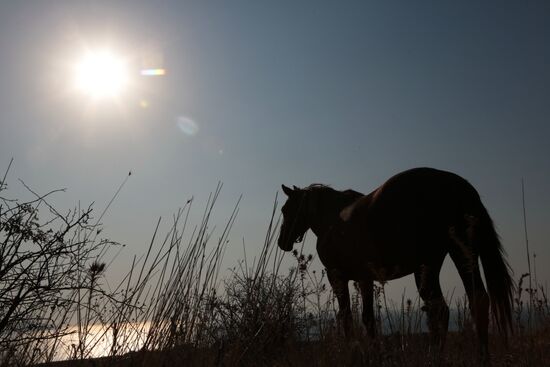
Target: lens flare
153,72
143,103
187,126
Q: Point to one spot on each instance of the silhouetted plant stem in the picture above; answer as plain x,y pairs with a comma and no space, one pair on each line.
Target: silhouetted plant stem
527,253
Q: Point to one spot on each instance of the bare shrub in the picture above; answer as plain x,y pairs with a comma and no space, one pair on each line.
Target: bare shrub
48,271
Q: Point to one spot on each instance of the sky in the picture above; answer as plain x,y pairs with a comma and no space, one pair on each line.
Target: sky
258,94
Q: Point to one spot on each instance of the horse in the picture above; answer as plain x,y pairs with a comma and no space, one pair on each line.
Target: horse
408,225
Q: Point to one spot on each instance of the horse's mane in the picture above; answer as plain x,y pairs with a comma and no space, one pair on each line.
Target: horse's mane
318,186
344,197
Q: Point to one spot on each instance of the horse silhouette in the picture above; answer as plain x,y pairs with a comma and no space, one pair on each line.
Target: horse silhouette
408,225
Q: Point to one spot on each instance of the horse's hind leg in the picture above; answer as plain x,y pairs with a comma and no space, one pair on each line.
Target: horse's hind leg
340,287
427,282
367,288
466,261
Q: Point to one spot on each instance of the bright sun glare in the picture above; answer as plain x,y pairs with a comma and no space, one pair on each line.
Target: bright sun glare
101,74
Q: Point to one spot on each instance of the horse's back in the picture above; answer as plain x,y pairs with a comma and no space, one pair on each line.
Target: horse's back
407,219
417,193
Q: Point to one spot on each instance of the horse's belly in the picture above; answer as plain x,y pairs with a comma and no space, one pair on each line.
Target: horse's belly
377,255
384,273
389,260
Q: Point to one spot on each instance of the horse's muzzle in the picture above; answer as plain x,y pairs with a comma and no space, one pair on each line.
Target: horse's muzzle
285,245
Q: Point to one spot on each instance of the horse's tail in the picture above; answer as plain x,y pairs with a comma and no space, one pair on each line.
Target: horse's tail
500,284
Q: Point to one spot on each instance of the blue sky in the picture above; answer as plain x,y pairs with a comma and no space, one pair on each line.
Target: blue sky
342,93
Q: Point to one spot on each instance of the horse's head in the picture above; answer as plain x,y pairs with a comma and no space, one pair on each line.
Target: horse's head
295,221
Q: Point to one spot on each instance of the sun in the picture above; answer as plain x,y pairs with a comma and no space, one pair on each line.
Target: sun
101,74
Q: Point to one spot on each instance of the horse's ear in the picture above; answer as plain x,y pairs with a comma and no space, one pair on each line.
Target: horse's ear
287,190
296,188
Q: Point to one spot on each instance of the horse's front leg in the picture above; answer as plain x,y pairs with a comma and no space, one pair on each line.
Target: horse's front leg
367,288
340,287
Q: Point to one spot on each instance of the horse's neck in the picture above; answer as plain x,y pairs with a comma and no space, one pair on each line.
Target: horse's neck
325,215
319,227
